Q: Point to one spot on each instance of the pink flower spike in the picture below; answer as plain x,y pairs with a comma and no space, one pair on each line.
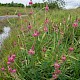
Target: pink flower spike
36,33
55,76
31,12
45,29
44,49
19,14
10,59
8,63
13,56
29,26
56,66
9,69
30,3
31,52
47,8
57,71
75,24
71,49
14,71
3,69
63,58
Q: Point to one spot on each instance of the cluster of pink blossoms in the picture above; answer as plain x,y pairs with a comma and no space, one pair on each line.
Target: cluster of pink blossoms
19,14
46,21
56,71
11,60
36,33
71,48
31,51
30,2
57,67
45,25
29,26
47,7
75,24
31,12
45,28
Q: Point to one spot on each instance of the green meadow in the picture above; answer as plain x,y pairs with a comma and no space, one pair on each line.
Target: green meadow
48,50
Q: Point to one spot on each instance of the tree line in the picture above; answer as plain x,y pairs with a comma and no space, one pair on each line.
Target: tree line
12,4
52,4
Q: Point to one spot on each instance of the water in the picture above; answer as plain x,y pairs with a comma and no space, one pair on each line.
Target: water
4,35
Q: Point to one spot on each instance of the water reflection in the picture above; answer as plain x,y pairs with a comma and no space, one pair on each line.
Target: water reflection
4,35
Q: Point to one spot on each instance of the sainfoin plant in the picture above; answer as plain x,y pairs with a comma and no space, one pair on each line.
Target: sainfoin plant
46,51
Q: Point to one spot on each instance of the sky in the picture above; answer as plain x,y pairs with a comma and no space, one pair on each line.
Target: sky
69,3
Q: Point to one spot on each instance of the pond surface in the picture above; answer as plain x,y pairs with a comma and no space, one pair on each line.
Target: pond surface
4,35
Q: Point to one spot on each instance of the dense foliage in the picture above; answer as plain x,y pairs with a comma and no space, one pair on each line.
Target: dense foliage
12,4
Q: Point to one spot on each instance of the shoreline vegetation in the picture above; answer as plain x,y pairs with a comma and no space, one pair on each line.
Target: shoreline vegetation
2,24
5,11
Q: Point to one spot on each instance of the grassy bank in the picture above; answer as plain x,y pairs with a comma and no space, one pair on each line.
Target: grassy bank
61,39
11,10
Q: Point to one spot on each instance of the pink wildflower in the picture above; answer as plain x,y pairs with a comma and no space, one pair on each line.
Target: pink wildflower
75,24
55,76
29,26
19,14
14,71
11,59
57,71
31,12
63,58
30,3
45,29
71,49
47,8
8,63
13,56
44,49
3,69
9,69
56,66
31,52
36,33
